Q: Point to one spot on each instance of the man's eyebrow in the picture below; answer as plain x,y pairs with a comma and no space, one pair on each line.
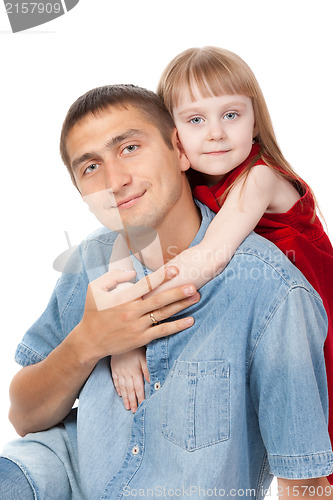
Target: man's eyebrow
110,143
83,158
127,134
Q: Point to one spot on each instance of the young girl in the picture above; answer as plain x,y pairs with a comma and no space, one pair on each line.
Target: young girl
239,172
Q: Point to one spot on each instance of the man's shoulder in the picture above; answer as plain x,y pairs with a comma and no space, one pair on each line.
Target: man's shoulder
256,252
92,253
260,257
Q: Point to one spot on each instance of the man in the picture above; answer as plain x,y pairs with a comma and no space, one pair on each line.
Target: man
236,397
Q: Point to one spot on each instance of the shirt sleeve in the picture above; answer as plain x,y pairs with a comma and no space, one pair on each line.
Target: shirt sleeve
289,389
63,312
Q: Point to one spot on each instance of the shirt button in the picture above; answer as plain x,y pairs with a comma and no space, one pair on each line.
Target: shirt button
157,386
135,450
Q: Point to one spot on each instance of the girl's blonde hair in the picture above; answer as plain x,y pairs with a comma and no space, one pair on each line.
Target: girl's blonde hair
214,72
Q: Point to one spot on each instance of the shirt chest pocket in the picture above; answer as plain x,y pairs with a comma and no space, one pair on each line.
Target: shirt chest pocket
195,404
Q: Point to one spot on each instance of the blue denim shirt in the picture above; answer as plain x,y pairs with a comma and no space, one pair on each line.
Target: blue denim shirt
238,397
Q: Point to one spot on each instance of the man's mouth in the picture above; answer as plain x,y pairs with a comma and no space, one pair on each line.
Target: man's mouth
129,201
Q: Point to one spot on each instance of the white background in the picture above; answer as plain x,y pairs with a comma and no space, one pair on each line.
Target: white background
288,44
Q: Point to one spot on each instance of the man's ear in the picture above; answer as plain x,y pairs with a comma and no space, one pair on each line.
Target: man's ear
184,162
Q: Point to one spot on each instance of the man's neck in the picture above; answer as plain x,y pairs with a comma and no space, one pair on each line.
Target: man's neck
180,234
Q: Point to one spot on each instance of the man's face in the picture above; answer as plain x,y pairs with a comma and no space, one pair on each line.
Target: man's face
124,169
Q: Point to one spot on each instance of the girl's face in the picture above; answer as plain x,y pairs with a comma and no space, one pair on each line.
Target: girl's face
216,132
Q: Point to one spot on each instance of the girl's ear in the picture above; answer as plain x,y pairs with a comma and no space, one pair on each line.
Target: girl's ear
184,162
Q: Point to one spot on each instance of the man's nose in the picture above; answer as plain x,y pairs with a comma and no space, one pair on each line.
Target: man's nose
216,131
116,177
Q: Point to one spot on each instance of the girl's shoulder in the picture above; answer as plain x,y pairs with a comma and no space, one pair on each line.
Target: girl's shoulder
282,193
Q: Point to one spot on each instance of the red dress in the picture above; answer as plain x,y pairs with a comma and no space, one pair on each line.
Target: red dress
303,241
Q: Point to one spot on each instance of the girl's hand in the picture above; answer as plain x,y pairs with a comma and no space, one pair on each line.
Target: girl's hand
127,372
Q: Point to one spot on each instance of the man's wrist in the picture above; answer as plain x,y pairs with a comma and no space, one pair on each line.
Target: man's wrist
83,351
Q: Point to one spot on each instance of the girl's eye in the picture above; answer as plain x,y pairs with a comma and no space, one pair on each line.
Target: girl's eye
130,149
230,116
91,168
196,120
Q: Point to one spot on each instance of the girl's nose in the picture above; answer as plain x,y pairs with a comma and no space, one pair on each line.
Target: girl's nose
216,131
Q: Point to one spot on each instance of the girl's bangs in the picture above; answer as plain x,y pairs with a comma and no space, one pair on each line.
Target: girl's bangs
210,81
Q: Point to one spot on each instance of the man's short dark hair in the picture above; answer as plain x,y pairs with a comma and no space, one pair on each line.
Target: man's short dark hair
100,99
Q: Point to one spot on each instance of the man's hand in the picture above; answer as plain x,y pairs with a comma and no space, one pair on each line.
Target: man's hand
127,372
115,288
42,394
120,328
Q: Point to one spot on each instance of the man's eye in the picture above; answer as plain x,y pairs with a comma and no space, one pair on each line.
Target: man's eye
91,168
196,120
230,116
130,149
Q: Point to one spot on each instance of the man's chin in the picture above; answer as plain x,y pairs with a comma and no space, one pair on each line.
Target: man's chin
137,226
112,225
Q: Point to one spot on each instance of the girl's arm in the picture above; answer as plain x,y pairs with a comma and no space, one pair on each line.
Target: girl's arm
243,208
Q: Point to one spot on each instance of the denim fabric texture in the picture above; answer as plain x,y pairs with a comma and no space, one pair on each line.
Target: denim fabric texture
235,399
14,485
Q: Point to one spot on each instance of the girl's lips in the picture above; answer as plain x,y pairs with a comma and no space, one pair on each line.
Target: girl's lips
216,153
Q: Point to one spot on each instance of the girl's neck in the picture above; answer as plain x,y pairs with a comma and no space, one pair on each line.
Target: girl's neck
212,180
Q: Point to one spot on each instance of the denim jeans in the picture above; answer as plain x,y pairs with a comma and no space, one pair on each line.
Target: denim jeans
13,483
49,460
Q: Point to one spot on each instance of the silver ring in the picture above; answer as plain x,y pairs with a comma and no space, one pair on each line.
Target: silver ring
153,320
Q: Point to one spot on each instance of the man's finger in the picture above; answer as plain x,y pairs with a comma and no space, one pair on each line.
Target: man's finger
102,288
168,328
160,300
153,280
111,279
105,298
167,311
145,285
